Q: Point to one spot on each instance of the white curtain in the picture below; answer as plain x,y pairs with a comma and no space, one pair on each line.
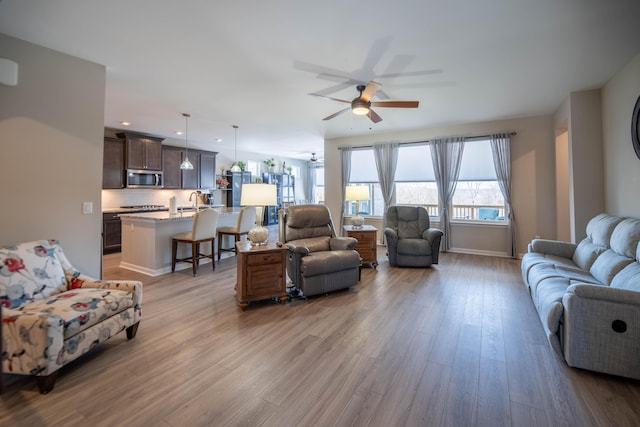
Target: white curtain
346,174
310,184
446,155
386,156
501,150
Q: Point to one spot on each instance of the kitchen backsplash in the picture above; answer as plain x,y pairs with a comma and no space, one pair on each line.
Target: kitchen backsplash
133,197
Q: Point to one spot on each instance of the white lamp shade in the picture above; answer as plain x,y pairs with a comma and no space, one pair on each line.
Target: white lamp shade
259,195
356,193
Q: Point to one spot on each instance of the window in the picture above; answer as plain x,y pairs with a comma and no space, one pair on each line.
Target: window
363,171
415,180
254,168
318,185
478,195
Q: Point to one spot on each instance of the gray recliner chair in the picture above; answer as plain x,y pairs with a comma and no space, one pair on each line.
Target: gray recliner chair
411,242
318,262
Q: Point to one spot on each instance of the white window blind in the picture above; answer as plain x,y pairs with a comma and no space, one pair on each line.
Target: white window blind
414,164
477,162
363,166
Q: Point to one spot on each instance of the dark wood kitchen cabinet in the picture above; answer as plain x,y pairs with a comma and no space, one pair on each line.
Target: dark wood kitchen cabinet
111,233
207,170
113,163
171,158
190,178
142,151
236,180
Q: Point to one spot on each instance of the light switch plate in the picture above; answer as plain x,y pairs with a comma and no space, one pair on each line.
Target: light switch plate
87,207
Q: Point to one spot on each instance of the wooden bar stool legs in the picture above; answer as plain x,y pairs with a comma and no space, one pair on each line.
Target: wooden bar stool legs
195,257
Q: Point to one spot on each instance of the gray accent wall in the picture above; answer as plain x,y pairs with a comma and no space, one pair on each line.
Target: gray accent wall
621,165
51,142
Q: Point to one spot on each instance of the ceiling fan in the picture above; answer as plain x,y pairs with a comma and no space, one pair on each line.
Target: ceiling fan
361,105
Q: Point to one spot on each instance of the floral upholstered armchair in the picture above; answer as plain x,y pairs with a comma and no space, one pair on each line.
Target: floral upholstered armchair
52,314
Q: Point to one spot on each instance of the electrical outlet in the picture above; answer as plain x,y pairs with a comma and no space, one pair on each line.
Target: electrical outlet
536,237
87,207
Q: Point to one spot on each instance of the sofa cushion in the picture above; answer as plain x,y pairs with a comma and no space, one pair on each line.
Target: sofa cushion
82,308
414,247
328,262
543,271
608,264
29,271
600,228
628,278
625,237
586,253
548,301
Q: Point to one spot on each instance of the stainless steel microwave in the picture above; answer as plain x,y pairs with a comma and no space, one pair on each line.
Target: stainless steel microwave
144,179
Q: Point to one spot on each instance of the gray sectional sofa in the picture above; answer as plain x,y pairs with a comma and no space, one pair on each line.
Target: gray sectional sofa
588,295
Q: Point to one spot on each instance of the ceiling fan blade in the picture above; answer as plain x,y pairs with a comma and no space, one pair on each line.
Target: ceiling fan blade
370,91
328,97
375,118
410,73
396,104
338,113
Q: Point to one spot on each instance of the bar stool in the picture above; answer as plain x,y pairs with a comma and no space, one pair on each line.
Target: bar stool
246,221
203,230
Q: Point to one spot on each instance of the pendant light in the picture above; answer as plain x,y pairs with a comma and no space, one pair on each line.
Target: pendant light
235,167
186,164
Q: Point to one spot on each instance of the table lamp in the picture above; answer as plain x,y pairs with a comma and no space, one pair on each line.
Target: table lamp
258,195
356,193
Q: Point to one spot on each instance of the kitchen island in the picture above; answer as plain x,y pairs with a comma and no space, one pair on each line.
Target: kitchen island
146,238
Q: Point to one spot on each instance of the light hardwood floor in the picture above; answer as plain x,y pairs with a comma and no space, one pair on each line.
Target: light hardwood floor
456,345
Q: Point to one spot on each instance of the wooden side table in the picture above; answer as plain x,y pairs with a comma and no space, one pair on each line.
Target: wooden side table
262,273
367,246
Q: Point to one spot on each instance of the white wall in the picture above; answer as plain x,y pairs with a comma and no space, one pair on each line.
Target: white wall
563,211
622,167
581,117
51,130
532,159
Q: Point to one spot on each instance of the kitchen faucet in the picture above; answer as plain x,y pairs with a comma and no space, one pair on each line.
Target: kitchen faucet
197,193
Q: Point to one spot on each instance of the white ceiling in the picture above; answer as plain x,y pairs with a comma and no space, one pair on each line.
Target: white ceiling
253,62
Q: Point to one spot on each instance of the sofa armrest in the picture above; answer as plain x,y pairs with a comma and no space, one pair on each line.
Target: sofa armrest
600,329
391,236
33,341
132,286
342,243
431,234
553,247
603,293
297,249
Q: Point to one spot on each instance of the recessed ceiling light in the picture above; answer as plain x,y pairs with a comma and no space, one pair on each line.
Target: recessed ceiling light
125,123
218,139
178,132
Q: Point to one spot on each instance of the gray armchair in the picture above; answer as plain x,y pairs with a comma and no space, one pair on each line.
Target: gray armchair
411,242
317,261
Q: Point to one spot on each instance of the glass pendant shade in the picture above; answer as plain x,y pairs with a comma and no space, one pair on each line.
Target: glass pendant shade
186,164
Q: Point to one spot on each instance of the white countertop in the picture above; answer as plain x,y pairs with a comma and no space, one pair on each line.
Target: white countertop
166,216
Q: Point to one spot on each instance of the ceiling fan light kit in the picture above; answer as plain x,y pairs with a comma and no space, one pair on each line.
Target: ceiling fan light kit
361,105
